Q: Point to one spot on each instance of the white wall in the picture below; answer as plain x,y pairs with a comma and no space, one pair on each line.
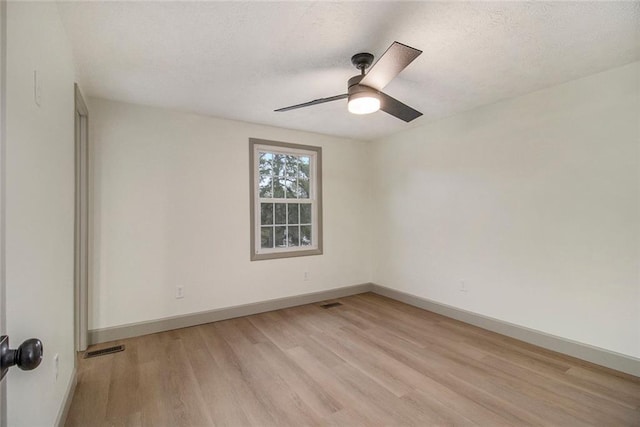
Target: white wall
171,207
39,208
534,202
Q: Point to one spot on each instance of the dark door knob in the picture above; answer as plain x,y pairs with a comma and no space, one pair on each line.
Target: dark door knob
27,357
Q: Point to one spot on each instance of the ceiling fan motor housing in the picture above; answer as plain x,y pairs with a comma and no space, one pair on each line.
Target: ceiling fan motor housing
353,86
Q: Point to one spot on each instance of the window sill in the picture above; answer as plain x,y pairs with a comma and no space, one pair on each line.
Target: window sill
290,254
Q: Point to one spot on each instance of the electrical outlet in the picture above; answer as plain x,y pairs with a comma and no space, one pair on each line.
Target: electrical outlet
56,365
307,276
179,292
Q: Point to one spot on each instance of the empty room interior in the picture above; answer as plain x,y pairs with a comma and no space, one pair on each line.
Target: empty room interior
255,213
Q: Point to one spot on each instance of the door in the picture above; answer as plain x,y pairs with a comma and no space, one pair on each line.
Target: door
3,92
37,175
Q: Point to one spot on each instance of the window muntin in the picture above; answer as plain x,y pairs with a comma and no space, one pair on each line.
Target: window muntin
286,190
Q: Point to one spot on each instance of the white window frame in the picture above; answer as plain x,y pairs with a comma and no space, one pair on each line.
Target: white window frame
256,146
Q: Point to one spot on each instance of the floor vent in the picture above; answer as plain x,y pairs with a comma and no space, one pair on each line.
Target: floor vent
331,305
103,351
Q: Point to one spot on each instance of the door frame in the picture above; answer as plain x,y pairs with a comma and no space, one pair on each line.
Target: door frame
3,128
81,233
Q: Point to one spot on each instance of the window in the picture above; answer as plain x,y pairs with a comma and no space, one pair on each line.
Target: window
286,199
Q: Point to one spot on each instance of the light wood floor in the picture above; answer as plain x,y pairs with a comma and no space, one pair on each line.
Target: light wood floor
371,361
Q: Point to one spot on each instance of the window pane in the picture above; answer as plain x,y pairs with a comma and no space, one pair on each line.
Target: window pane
305,235
266,237
281,213
266,189
305,213
303,188
303,171
291,166
293,213
281,237
278,188
293,235
279,165
266,157
265,167
292,187
266,213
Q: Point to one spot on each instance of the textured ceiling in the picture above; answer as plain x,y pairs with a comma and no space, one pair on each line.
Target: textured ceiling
242,60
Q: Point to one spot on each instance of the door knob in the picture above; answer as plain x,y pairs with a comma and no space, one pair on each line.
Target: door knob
27,357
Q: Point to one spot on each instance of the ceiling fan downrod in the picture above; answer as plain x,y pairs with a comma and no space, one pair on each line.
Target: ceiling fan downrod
362,61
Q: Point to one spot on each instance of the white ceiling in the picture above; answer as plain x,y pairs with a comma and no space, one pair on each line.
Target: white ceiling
242,60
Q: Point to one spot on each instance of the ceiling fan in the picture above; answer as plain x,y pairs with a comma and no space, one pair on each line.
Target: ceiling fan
364,90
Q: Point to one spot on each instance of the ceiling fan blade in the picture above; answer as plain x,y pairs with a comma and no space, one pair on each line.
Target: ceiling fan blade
390,64
314,102
397,109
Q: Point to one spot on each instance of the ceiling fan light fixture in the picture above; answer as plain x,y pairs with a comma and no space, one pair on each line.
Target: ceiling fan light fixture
363,103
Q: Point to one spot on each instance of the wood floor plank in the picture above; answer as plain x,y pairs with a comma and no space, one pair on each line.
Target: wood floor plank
284,404
344,417
337,387
395,410
92,390
626,385
311,393
240,389
304,322
123,396
580,403
176,397
435,411
368,360
371,361
214,386
446,372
